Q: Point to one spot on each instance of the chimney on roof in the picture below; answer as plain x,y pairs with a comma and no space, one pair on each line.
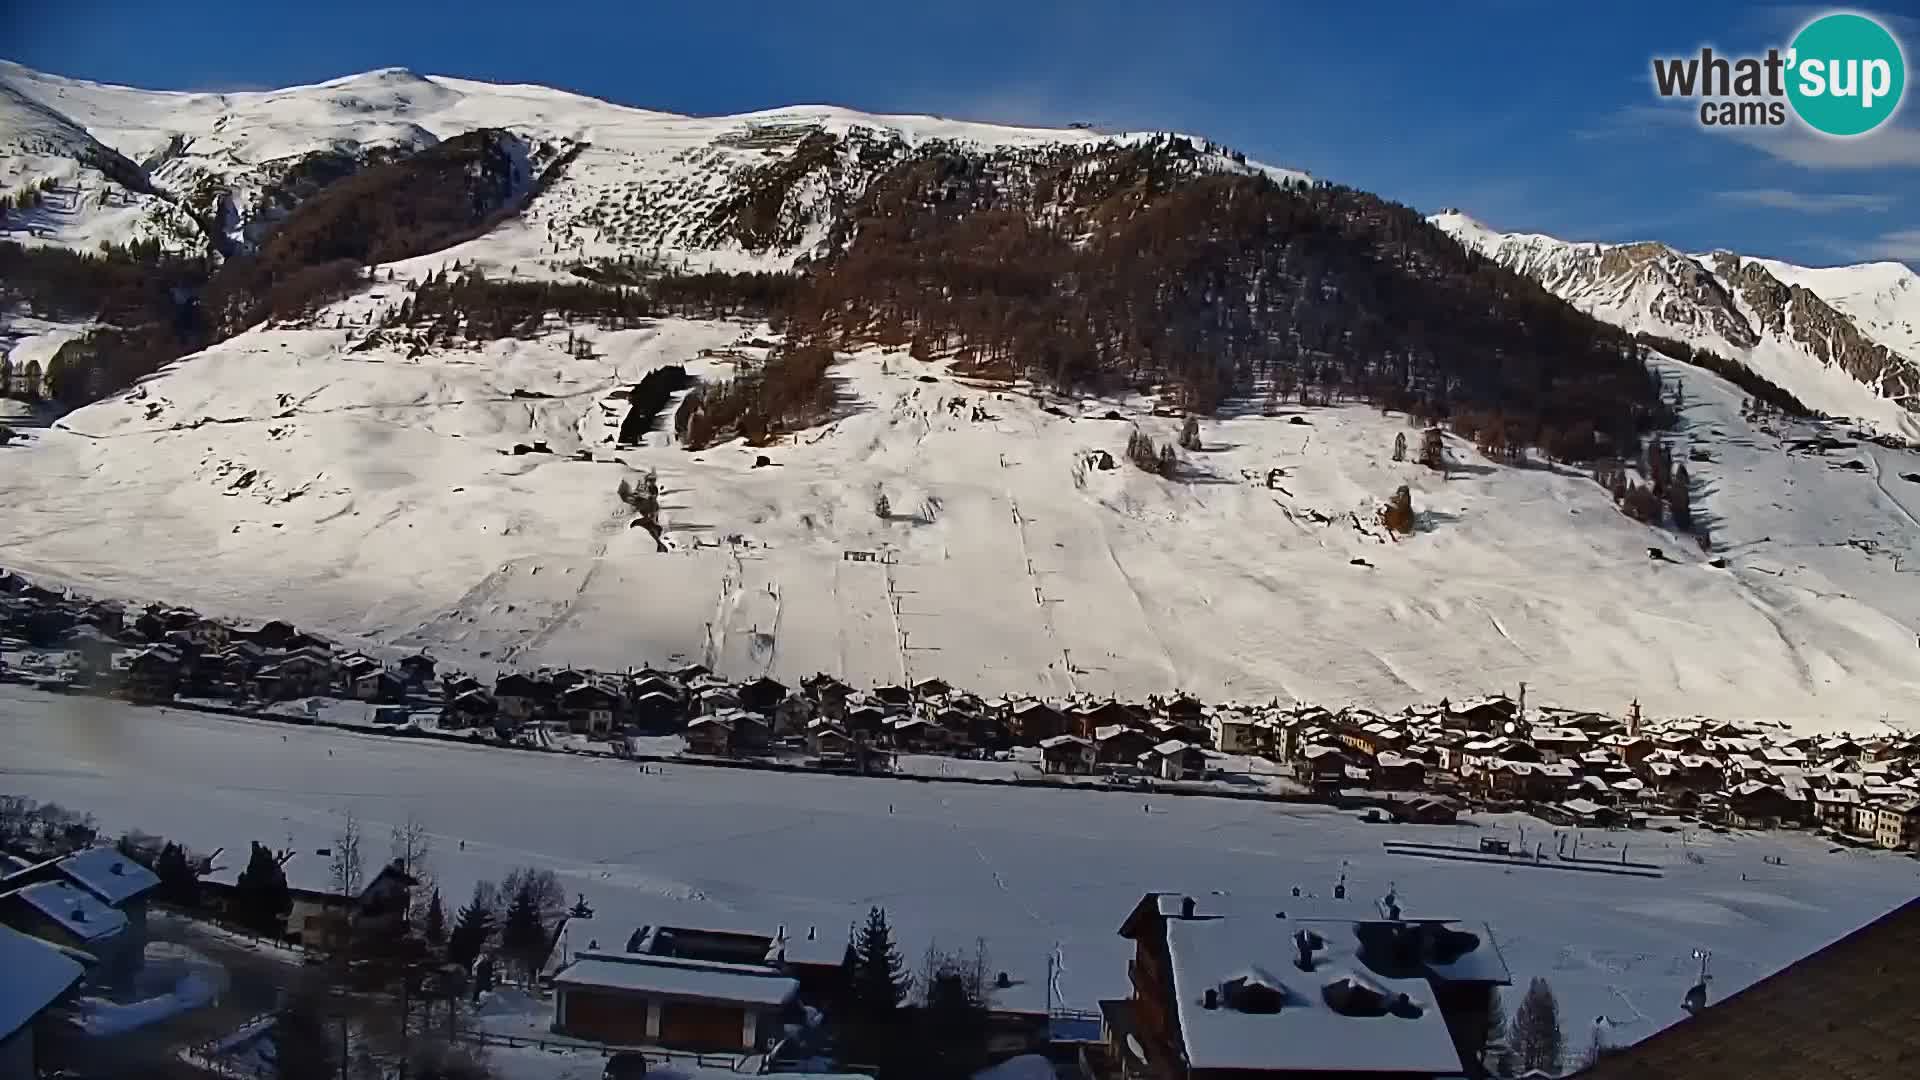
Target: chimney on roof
79,914
117,869
1186,907
1211,1000
1305,943
810,933
1002,981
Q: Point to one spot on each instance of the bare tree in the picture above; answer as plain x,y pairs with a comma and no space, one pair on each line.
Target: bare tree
542,885
1496,1054
345,869
1538,1042
412,852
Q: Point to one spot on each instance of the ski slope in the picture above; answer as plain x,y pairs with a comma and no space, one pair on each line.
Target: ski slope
1023,868
296,473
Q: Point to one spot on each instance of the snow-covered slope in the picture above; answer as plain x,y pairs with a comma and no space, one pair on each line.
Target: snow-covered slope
299,473
642,185
1845,340
375,492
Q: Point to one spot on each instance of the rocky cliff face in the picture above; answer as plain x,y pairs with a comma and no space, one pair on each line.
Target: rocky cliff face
1797,314
1790,333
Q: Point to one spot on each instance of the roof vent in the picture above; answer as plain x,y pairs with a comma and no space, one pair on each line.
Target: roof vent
117,869
1186,907
1211,1000
1002,981
79,914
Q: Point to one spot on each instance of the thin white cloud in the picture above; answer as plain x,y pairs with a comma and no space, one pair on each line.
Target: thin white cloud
1806,202
1889,148
1896,147
1901,244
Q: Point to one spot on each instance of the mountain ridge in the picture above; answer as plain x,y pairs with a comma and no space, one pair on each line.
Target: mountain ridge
426,451
1830,335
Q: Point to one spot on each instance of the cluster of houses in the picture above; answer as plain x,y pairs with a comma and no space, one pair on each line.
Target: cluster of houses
1592,768
159,653
1581,766
66,924
1218,988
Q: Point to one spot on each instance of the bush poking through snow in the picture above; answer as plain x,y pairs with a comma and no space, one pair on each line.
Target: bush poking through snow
1190,435
1397,516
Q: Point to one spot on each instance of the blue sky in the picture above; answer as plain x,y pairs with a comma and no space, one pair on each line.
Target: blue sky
1530,115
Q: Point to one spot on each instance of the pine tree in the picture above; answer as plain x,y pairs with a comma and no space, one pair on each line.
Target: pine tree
178,885
1433,449
434,926
1680,499
471,929
953,1018
522,937
1169,464
1190,435
1537,1040
1400,446
881,507
878,988
261,893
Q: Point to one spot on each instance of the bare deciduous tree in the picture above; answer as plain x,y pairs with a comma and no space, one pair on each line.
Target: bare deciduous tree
345,870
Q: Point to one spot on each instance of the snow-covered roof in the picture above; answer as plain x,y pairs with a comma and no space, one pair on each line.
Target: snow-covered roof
37,974
107,874
676,978
1307,1033
77,911
1063,740
1171,747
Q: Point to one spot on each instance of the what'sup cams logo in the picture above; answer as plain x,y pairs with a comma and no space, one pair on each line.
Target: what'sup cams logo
1844,75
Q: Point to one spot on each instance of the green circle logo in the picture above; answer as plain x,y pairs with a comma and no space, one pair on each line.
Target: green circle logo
1848,74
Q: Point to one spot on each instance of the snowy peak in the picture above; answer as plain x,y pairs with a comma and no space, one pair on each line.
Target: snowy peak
37,139
645,184
1845,340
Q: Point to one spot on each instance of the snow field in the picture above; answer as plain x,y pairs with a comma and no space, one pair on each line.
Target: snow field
1024,868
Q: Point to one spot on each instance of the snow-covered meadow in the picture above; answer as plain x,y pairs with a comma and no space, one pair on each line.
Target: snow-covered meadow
376,497
1024,868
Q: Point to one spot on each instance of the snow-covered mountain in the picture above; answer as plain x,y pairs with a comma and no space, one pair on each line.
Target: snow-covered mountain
403,489
644,183
1844,340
